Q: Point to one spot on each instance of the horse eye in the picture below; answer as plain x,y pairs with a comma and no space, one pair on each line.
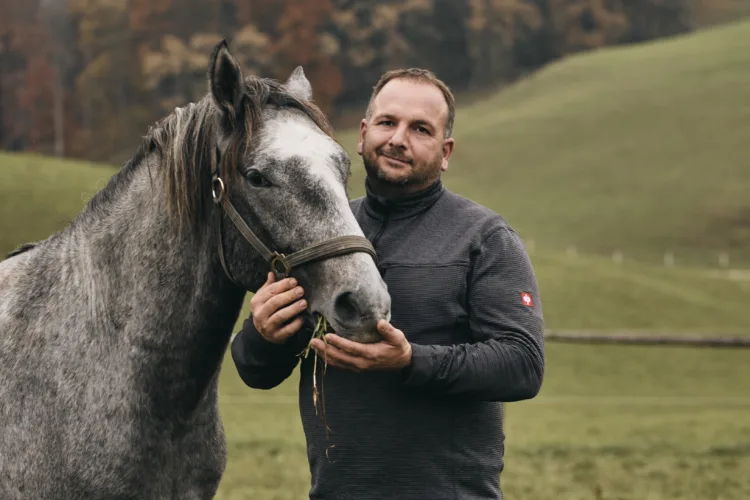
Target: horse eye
257,180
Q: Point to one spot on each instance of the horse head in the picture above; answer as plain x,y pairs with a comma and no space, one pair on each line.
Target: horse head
286,177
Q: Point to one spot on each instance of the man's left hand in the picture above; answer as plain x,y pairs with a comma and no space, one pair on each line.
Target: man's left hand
390,354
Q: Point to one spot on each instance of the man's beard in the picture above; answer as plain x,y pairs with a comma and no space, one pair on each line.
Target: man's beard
417,176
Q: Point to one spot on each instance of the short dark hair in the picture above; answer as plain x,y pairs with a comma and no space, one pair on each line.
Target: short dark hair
418,75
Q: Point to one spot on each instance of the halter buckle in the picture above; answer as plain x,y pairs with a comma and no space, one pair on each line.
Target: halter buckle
279,259
217,182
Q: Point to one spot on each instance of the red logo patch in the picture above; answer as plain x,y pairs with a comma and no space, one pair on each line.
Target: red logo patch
526,299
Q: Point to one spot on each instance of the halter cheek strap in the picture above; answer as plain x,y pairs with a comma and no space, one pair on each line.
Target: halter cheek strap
281,265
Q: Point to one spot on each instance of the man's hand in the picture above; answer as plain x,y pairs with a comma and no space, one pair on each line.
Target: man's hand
390,354
273,305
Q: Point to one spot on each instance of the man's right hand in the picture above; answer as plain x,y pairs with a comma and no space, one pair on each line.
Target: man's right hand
273,305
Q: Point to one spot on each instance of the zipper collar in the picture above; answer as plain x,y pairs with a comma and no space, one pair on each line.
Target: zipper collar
380,207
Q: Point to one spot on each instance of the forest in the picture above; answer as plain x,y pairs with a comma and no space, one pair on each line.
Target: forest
85,78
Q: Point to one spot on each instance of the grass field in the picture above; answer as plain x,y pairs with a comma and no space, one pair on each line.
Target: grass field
636,422
641,149
639,422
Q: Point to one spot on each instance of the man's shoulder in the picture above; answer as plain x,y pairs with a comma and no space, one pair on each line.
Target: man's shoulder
354,203
472,214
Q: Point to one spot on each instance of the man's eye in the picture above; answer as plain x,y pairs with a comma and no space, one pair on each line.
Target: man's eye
256,179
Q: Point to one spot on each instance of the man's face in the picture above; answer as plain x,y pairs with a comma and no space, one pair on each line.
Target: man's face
403,145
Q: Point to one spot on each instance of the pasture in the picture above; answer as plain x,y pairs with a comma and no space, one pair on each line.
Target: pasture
639,422
640,149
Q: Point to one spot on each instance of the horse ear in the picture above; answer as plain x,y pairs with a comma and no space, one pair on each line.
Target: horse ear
225,80
298,85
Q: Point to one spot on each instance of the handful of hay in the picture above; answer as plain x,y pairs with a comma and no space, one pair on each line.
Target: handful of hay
321,328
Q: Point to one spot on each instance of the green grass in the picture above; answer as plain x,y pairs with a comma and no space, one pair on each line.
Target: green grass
641,149
641,422
636,422
40,195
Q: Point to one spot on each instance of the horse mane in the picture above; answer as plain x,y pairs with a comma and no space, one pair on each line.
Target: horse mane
25,247
185,143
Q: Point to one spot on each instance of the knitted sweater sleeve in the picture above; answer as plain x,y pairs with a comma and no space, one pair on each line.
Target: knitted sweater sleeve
505,362
262,364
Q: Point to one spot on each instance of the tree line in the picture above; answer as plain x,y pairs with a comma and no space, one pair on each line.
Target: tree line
85,78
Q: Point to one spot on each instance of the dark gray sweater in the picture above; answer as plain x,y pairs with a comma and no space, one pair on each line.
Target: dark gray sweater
460,281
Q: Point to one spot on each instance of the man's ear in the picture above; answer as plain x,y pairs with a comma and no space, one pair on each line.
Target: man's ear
225,82
298,85
448,146
362,131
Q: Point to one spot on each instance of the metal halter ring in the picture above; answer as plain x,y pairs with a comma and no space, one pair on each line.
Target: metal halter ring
217,181
280,259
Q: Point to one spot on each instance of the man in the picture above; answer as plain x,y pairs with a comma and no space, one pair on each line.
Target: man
419,414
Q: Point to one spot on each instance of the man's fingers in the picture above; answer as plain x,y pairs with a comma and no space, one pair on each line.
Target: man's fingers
277,302
288,330
336,357
338,364
284,314
271,306
272,288
353,348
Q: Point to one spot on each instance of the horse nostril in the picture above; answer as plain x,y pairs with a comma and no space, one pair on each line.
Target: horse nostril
346,307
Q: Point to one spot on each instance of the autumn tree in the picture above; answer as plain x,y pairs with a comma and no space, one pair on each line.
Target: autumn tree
25,81
582,25
303,40
86,77
495,28
108,75
375,37
649,19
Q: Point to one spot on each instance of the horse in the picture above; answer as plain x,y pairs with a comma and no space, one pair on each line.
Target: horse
113,330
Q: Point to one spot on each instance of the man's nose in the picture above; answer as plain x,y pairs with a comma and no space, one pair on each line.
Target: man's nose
398,139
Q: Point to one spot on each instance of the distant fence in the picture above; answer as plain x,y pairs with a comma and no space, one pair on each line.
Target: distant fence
719,260
646,339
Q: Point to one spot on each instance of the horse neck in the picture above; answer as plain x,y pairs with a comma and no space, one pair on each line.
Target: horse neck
161,294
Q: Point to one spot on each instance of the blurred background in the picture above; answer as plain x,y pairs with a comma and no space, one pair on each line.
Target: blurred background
611,134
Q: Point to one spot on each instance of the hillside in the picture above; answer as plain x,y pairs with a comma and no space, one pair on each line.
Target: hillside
641,148
40,195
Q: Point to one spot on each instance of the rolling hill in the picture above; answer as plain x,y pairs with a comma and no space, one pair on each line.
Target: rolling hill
40,195
640,148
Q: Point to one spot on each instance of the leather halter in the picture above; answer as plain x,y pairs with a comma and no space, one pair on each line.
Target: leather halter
281,264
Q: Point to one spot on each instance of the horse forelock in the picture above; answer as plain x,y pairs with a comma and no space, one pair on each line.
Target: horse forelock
185,143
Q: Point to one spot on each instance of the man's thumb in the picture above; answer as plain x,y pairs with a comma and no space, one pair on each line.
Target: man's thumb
388,331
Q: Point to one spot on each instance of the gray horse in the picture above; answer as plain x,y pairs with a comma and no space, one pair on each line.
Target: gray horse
112,331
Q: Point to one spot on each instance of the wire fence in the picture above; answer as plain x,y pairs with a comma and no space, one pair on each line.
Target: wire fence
730,264
646,338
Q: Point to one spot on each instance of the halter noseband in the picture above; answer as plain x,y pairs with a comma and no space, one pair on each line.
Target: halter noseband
281,264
